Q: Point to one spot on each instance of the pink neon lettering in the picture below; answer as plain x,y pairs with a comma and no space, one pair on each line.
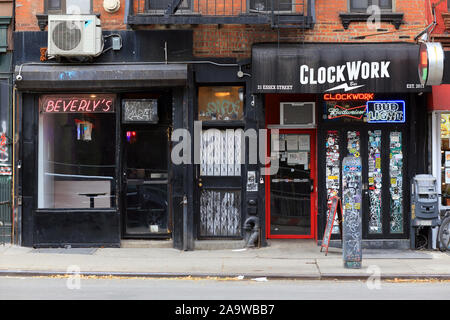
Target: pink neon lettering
83,105
50,106
57,106
75,105
66,105
108,105
96,104
88,105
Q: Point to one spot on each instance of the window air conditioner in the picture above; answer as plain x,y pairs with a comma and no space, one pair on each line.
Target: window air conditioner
298,114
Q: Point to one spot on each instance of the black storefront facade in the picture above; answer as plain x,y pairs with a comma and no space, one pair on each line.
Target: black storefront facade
104,147
324,102
93,162
97,141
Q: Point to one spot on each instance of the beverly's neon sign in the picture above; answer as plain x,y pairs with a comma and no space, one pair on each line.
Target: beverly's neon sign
101,103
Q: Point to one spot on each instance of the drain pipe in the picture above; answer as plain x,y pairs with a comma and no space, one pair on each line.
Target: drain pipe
252,224
185,216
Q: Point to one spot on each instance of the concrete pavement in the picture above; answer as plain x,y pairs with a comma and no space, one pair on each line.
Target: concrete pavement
282,259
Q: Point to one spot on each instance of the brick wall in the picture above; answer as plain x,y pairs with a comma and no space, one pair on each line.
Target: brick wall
26,11
237,40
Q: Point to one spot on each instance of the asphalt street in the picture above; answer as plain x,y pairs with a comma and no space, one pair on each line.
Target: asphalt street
89,288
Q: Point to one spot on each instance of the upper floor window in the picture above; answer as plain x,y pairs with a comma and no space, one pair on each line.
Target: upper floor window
448,5
162,5
68,6
266,5
362,5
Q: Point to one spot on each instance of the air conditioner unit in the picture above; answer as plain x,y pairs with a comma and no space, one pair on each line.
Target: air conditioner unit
74,35
298,114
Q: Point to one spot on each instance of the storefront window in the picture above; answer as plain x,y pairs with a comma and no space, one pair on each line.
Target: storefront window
76,151
220,103
445,160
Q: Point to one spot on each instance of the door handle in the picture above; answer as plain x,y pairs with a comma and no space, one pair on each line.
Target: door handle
311,185
200,184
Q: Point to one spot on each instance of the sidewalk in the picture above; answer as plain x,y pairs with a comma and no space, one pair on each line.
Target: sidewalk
281,260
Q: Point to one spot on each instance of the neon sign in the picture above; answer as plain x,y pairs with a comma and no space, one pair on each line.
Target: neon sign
89,103
392,111
348,96
337,111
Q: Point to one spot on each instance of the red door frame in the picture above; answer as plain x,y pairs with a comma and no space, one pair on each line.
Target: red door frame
313,164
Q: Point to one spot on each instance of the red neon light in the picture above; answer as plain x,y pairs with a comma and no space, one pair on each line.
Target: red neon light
424,58
348,96
348,115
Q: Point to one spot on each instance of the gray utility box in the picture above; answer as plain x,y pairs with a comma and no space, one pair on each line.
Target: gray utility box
424,204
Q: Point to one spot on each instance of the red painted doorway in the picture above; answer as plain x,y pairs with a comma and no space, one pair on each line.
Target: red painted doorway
291,191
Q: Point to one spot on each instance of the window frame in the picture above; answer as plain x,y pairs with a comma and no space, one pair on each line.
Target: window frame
114,194
371,2
188,9
62,7
249,2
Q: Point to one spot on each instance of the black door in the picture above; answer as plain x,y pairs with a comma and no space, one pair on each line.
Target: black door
145,182
219,184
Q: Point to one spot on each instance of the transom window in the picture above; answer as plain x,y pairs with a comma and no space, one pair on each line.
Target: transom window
68,6
362,5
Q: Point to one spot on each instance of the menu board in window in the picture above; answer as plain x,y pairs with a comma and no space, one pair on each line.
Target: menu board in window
221,103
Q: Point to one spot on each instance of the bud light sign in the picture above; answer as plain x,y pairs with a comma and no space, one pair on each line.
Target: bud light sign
386,111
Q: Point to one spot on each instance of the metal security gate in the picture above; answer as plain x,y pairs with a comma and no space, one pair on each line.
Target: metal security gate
220,213
219,184
5,209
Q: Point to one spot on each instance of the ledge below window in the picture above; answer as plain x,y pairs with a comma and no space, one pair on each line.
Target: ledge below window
393,17
42,19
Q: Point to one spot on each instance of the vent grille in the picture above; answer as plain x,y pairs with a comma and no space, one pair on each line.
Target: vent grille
67,35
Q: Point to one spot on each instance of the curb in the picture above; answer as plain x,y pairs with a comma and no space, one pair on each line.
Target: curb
323,277
240,276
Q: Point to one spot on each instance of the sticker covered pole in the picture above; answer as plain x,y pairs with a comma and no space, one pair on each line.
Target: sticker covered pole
351,202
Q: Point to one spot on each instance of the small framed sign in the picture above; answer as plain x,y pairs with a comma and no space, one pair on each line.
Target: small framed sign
140,111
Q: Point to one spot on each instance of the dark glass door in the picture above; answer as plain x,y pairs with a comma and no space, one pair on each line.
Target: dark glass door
145,179
291,193
383,154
